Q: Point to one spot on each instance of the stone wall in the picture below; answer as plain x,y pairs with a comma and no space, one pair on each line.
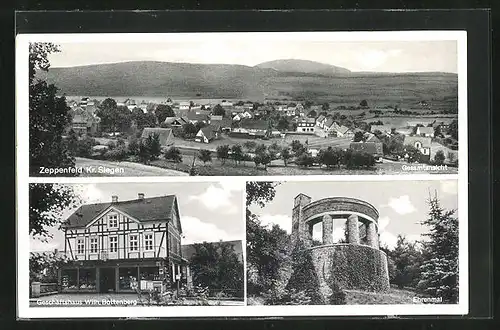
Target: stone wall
351,267
339,204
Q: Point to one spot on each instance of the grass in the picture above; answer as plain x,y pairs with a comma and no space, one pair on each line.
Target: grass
393,296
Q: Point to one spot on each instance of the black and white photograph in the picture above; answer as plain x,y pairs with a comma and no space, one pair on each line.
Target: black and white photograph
353,243
136,244
243,104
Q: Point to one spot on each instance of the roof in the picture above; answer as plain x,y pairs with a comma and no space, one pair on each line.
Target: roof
405,131
188,250
147,209
215,117
224,122
197,116
425,141
371,137
320,118
255,124
343,129
329,122
171,120
422,122
426,130
307,120
208,132
381,128
165,134
372,148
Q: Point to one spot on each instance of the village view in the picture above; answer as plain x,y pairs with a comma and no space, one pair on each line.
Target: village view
243,137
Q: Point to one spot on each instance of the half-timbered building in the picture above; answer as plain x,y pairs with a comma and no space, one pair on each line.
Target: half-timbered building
120,245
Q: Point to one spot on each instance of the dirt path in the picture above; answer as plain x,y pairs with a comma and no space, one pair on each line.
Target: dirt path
92,167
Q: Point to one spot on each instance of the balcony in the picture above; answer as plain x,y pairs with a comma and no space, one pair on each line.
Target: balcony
120,253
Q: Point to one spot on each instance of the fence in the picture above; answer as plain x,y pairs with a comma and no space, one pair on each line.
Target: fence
39,289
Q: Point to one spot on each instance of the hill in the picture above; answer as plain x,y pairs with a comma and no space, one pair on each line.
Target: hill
186,80
303,66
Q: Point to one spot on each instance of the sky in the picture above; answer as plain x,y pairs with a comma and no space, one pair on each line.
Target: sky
402,205
209,211
378,56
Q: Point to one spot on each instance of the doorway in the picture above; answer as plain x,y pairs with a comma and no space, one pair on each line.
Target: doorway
107,280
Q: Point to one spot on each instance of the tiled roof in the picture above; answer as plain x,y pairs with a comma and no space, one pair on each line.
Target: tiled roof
425,141
147,209
165,134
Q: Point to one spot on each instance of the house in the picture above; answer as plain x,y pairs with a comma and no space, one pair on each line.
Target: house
194,117
175,121
404,131
419,122
247,115
248,105
306,125
184,105
115,244
386,129
344,131
165,134
84,101
84,122
373,148
212,118
225,124
130,104
423,144
320,121
252,128
237,117
370,137
425,131
207,134
225,103
188,250
291,111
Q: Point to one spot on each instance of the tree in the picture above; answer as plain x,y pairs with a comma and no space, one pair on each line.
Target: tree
72,143
237,153
439,271
149,148
312,114
451,157
439,157
218,267
414,155
142,119
43,266
47,204
260,192
222,153
173,154
218,110
325,106
163,111
407,261
113,117
273,150
286,155
189,129
250,145
453,129
305,160
363,103
283,124
359,137
297,147
205,155
329,157
48,115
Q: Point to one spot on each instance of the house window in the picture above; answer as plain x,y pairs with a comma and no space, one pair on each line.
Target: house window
113,221
418,145
93,245
148,242
134,243
80,246
113,244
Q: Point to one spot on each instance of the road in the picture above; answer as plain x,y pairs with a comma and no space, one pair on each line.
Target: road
92,167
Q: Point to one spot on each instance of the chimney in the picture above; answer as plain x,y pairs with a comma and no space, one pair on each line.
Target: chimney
140,196
114,199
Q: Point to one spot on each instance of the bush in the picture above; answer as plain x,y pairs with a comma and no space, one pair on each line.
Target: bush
84,147
173,154
439,157
305,160
118,153
133,146
354,159
338,295
286,297
304,278
111,145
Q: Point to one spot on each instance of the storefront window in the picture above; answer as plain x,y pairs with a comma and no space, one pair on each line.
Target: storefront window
87,279
127,275
68,278
149,273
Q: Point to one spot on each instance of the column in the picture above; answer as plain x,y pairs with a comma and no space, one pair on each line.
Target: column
308,239
97,279
371,235
352,229
327,229
117,279
78,278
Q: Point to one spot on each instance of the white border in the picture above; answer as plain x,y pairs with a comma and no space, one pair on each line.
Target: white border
22,177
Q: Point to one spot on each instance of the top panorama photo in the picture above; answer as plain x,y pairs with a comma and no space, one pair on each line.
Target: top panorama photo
242,104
